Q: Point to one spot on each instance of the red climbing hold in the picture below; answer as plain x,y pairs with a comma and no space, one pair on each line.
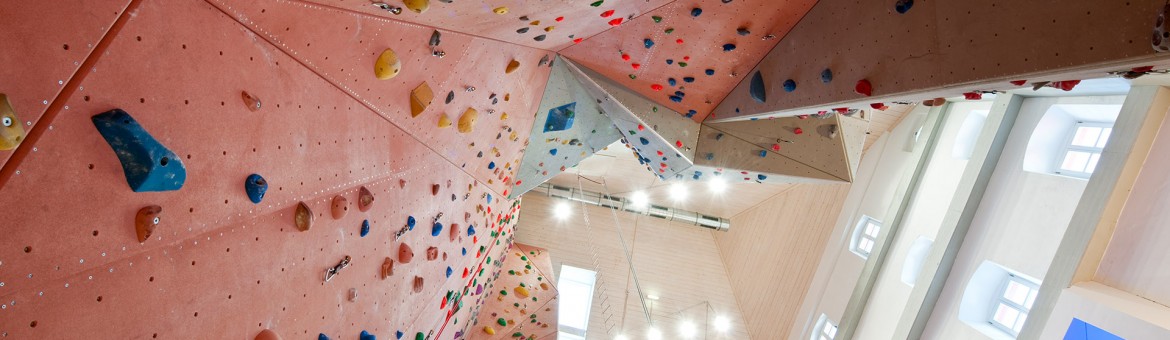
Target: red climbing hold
636,66
615,22
626,57
879,106
864,88
606,14
678,41
655,87
775,147
973,96
687,58
678,143
660,152
578,40
559,19
798,131
1066,85
1019,82
641,127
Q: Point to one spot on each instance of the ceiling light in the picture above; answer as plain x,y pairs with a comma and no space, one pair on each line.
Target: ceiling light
722,323
678,191
562,210
717,184
687,329
654,334
639,199
620,337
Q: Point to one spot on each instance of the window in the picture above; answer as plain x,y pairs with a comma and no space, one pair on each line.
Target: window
1083,149
865,236
825,329
1010,309
576,298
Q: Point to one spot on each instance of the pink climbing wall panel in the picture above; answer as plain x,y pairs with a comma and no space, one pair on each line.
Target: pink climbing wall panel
696,42
219,266
524,297
39,57
945,48
341,46
579,19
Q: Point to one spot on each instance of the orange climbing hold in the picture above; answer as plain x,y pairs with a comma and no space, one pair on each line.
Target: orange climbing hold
303,218
146,221
467,120
444,121
405,254
365,199
340,207
267,334
11,131
512,66
420,98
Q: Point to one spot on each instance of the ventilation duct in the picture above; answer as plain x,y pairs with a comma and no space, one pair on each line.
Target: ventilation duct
624,204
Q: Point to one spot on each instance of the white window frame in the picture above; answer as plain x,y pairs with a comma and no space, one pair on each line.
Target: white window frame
861,237
1022,309
1094,151
825,329
584,277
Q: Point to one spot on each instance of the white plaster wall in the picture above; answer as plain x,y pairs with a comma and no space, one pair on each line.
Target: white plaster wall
1109,309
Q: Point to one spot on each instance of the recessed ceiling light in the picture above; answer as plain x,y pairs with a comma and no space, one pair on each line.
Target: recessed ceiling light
621,337
562,210
717,184
654,334
678,191
687,329
639,199
722,324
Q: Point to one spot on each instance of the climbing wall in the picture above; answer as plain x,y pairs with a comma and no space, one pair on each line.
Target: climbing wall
217,265
910,51
687,55
523,303
790,149
569,127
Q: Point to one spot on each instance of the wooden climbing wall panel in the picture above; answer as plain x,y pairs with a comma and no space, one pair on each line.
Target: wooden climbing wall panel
688,46
524,298
219,266
944,49
40,58
578,19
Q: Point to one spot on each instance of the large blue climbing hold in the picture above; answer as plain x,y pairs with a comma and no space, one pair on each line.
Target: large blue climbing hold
649,43
322,336
827,76
148,165
789,85
676,99
561,118
757,90
365,227
398,334
436,229
903,6
255,186
367,336
644,140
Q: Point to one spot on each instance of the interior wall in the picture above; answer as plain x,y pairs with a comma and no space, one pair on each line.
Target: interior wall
1007,229
677,263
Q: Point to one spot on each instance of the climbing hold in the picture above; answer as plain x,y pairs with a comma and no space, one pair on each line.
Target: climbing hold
365,227
502,322
512,66
607,14
454,233
689,79
671,30
322,336
147,164
435,189
903,6
387,268
676,98
410,222
798,131
671,81
552,152
340,207
539,37
405,254
522,30
657,19
934,102
420,97
303,218
742,31
255,186
467,120
432,253
436,38
489,330
636,66
710,72
682,64
521,291
757,90
449,272
146,220
728,47
677,41
695,12
444,121
365,199
1018,82
972,96
827,76
616,22
436,229
388,65
559,19
250,101
789,85
418,6
863,88
644,140
366,336
656,87
267,334
501,10
560,118
11,131
763,153
648,43
879,106
418,284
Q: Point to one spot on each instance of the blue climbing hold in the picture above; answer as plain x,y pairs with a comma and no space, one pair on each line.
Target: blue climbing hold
560,118
489,198
553,152
644,140
671,81
756,89
719,136
696,12
728,47
491,165
680,93
398,334
367,336
365,227
649,43
255,186
762,177
147,164
436,229
449,271
789,85
322,336
410,222
692,113
689,79
471,230
826,76
670,61
710,72
710,156
763,153
903,6
676,99
464,251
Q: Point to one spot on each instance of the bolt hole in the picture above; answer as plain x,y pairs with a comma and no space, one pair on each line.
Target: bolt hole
164,161
95,233
27,249
33,324
99,299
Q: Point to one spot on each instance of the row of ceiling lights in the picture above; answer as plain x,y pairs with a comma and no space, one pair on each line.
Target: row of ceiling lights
686,329
640,200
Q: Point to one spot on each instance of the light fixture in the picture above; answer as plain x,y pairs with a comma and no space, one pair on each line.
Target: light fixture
639,200
722,324
654,334
717,184
620,337
687,329
678,191
562,210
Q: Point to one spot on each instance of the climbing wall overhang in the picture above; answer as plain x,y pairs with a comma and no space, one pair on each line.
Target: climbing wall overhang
783,150
523,297
663,139
569,127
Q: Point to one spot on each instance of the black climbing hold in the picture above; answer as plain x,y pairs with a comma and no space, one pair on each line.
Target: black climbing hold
436,38
689,79
147,164
743,31
255,186
757,90
450,97
539,37
522,30
524,18
827,76
903,6
710,72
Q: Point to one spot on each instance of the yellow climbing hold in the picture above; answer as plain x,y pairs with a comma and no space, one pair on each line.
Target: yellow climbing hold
504,116
418,6
420,98
444,121
501,10
489,330
11,131
387,65
550,28
512,66
535,23
467,120
521,291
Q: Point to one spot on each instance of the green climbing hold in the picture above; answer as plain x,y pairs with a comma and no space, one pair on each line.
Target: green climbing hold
502,322
633,76
527,267
669,30
517,335
525,258
522,284
654,108
656,18
503,292
682,64
419,336
597,3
